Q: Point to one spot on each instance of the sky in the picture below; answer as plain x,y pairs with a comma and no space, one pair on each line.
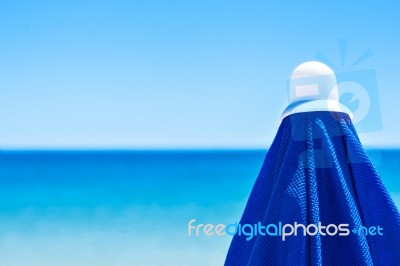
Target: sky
181,74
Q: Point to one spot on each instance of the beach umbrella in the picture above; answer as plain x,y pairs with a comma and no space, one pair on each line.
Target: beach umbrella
318,199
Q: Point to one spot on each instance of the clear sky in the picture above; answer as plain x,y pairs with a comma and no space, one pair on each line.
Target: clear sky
211,74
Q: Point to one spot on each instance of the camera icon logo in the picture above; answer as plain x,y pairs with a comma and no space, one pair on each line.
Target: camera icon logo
316,86
358,90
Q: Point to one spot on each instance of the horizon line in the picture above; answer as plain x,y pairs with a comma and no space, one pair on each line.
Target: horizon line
164,148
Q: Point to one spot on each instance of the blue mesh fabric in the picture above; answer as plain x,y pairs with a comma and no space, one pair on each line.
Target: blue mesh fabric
317,171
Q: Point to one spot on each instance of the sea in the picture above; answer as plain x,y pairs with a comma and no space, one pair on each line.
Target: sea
130,207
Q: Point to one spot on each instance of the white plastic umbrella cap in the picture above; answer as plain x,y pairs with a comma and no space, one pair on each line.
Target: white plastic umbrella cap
313,87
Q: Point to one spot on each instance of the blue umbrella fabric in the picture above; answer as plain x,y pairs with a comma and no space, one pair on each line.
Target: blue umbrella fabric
317,172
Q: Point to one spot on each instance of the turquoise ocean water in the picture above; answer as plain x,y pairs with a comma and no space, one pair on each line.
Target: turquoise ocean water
129,207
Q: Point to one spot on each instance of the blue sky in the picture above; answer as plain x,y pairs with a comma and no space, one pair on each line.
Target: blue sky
150,74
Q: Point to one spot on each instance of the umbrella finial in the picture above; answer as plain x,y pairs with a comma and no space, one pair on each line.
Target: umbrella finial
313,87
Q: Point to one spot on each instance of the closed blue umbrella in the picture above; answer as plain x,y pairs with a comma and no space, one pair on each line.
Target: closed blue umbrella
317,182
